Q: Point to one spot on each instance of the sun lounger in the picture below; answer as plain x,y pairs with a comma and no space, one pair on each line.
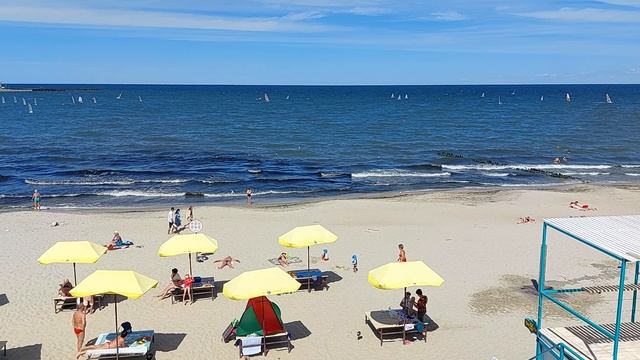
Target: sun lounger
393,323
253,345
61,303
313,278
3,346
206,286
291,260
137,344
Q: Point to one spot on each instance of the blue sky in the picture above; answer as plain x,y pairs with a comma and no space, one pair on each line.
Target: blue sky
320,41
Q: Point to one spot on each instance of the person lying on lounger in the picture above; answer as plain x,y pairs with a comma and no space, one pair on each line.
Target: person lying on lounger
65,287
526,219
111,344
283,260
226,261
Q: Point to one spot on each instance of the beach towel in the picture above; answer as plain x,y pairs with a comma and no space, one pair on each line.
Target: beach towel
291,260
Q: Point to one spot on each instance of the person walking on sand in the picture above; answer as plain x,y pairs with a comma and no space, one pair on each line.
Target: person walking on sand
402,256
170,220
36,197
79,323
190,214
249,193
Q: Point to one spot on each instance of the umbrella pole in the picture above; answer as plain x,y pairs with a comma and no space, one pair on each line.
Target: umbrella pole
190,270
75,278
404,321
308,270
115,304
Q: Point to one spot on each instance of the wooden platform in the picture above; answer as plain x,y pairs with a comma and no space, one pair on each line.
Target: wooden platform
593,345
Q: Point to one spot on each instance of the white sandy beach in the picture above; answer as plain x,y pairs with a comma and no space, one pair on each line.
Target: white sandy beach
470,237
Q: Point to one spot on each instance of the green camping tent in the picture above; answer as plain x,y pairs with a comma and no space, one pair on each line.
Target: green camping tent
260,314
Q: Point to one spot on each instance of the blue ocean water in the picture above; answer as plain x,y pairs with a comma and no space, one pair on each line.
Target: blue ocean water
197,144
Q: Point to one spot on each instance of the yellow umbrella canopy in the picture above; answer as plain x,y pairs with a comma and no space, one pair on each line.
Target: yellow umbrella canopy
84,252
398,275
251,284
305,236
188,244
115,282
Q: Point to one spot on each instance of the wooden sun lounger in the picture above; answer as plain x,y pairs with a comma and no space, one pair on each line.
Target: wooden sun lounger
313,278
206,286
131,348
384,323
265,344
61,303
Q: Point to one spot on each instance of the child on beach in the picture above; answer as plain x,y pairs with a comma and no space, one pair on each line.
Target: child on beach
354,262
325,255
402,256
188,281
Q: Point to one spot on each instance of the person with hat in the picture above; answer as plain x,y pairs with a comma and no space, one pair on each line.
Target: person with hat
111,344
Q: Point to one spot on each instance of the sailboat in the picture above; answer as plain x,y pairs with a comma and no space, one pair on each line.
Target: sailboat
406,96
567,98
266,98
513,92
499,101
139,98
287,97
73,100
119,96
482,95
35,101
80,99
399,97
3,99
24,102
542,98
608,98
15,101
94,100
30,109
393,96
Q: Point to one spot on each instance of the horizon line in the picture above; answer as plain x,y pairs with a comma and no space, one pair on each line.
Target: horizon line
315,85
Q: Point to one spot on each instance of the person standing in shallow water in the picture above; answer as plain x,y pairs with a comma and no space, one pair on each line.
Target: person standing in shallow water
249,193
36,197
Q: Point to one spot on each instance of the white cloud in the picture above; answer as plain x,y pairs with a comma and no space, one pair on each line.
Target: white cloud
448,16
158,19
368,11
634,3
585,15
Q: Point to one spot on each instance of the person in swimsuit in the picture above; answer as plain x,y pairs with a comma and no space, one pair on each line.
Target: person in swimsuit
36,197
190,215
65,287
118,341
402,256
188,281
325,255
175,283
226,261
282,260
249,193
354,262
79,323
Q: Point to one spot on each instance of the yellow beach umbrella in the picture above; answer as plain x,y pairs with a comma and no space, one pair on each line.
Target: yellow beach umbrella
84,252
251,284
307,236
398,275
114,282
188,244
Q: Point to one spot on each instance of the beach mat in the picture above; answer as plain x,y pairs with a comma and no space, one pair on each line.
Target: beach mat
291,260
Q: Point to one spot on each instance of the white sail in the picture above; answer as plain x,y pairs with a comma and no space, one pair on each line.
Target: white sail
80,99
567,97
3,99
608,98
513,93
499,101
406,96
94,100
15,101
266,98
399,97
35,101
30,109
482,95
287,97
393,96
139,98
73,100
119,96
24,102
542,98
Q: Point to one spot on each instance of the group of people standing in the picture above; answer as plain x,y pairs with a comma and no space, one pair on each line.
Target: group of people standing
174,218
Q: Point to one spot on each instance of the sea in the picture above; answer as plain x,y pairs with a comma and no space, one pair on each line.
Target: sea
153,145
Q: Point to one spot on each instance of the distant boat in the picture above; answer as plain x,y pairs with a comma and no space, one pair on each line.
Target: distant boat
119,96
266,98
499,101
542,98
139,98
482,95
567,97
80,99
3,99
73,100
513,93
399,97
608,98
393,96
15,101
35,101
406,96
24,102
287,97
94,100
30,109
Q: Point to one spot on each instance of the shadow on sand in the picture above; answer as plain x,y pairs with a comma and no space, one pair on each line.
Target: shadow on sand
168,342
297,330
4,300
31,352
